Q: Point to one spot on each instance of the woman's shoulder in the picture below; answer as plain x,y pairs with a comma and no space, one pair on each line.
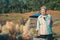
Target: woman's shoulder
48,15
39,16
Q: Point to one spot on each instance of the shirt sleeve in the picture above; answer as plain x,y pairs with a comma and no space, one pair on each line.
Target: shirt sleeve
38,24
51,21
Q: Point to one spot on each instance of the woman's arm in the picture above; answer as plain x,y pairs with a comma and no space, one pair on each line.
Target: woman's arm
38,25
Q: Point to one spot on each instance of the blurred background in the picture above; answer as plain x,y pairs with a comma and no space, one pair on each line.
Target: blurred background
18,18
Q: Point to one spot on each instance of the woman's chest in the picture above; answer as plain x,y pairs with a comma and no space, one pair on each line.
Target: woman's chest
44,21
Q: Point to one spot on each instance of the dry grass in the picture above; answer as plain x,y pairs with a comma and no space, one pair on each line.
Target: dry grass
17,18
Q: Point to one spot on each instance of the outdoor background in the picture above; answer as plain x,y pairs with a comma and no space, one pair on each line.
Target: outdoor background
19,11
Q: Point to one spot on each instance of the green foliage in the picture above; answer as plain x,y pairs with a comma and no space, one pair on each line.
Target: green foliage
54,5
22,6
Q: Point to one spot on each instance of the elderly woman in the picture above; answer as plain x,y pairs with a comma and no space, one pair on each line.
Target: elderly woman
44,25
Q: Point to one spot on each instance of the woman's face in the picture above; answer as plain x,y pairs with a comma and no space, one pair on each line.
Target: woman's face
43,11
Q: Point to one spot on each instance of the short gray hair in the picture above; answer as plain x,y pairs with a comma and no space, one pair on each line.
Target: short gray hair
44,7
